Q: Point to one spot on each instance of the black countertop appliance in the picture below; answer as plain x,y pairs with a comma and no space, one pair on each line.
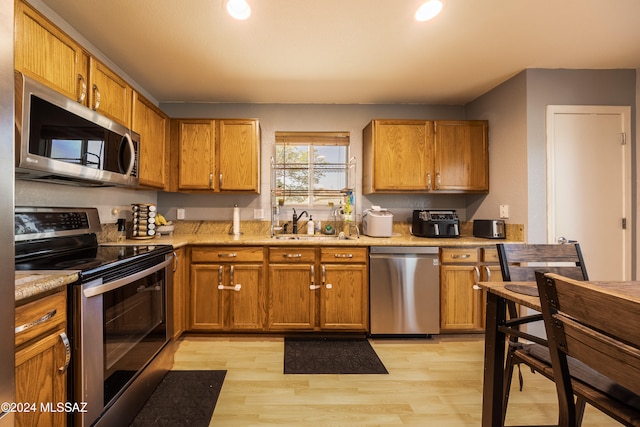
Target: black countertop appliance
435,223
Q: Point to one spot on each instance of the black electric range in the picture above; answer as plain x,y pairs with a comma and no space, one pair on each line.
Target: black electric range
65,239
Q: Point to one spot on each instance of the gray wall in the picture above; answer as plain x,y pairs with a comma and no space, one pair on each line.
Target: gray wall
517,131
567,87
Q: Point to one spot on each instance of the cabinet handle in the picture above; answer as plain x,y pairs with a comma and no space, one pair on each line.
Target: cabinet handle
343,255
438,181
96,93
231,274
487,271
231,288
313,285
83,88
67,351
211,180
329,286
220,284
460,256
293,256
429,181
324,274
175,262
227,255
475,285
36,322
220,181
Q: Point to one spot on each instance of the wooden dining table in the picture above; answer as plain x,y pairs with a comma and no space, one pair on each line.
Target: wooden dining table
498,295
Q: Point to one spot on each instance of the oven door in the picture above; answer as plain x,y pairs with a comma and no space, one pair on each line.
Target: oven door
121,327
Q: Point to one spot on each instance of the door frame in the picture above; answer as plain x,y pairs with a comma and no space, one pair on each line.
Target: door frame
627,165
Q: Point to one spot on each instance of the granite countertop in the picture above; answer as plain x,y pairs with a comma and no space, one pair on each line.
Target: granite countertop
32,283
225,239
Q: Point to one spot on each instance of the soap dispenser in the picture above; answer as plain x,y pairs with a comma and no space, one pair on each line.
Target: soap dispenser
310,226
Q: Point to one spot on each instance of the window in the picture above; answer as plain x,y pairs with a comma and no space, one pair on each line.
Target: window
311,168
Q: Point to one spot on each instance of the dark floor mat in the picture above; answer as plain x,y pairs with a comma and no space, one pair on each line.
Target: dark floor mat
183,398
330,356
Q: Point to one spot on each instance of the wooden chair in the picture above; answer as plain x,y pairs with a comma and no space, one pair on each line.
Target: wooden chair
594,347
519,263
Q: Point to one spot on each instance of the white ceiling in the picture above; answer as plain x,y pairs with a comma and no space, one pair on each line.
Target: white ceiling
350,51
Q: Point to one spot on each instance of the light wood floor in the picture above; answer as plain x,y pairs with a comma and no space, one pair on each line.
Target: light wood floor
434,382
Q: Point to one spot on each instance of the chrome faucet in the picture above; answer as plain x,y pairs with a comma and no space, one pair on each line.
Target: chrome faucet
296,217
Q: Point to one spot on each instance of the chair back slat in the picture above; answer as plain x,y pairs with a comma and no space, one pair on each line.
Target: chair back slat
602,308
519,262
612,358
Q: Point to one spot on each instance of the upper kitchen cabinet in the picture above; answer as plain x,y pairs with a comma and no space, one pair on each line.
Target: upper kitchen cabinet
216,155
153,126
109,94
398,156
47,54
461,156
425,156
239,155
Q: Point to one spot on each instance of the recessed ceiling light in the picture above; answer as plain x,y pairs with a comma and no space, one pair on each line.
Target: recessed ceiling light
428,10
238,9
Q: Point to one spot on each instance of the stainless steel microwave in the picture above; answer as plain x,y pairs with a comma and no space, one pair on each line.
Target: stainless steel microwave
62,141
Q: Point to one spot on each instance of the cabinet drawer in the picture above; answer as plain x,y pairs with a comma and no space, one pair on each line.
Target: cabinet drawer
38,317
292,254
227,254
334,255
490,255
459,255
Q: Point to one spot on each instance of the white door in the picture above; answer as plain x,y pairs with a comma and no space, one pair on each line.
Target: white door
589,185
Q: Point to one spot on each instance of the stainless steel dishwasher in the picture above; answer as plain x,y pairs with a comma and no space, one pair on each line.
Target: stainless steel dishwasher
404,290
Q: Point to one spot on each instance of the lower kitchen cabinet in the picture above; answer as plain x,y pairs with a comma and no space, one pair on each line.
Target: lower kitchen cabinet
462,303
344,292
42,358
318,289
292,289
226,289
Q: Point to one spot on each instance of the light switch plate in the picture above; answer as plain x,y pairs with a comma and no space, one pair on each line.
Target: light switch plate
258,214
180,213
504,211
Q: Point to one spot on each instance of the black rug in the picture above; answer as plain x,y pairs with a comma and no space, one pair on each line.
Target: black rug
183,398
330,356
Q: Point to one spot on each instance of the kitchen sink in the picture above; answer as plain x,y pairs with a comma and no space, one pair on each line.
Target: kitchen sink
312,238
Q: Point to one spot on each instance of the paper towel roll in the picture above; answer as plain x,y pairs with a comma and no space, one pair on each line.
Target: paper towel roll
236,220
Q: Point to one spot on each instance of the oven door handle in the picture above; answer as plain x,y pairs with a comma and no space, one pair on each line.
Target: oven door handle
109,286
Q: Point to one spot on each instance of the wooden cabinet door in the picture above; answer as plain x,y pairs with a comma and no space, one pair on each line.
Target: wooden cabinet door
153,127
207,301
401,156
344,297
44,52
461,156
239,155
292,297
109,94
42,379
461,306
179,296
246,307
196,151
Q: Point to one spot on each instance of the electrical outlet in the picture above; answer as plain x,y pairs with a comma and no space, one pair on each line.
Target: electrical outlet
258,214
504,211
180,213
